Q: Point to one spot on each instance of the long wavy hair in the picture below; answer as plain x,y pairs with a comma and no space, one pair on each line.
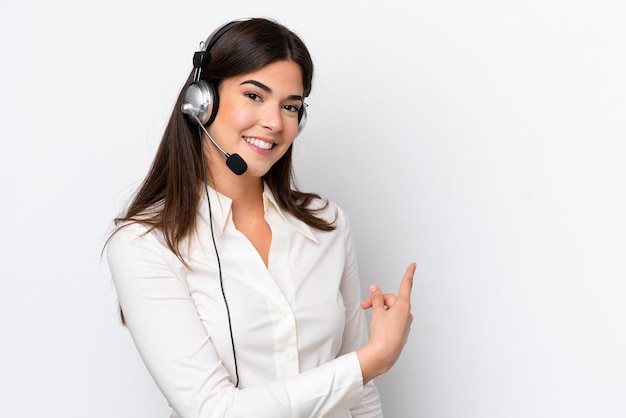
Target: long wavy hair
169,195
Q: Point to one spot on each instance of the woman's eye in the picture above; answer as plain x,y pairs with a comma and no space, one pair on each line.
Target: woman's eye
253,96
291,108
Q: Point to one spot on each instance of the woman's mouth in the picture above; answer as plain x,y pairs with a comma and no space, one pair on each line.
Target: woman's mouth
258,143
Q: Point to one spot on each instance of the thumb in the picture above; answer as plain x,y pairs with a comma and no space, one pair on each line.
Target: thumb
376,297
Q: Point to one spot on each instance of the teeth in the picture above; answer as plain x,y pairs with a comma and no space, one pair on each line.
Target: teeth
258,143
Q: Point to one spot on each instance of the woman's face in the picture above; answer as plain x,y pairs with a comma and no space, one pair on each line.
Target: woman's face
258,115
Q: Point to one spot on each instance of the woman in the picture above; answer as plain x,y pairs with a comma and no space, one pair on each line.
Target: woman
241,293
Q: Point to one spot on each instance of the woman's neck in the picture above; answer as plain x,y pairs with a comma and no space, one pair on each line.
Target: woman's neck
241,189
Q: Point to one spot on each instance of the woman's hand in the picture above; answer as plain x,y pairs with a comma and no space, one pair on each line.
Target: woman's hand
389,327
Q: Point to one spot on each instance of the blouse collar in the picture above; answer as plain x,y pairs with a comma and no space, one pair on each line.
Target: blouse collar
221,209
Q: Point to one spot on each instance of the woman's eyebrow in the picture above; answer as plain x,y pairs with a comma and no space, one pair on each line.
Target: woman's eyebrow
269,90
258,84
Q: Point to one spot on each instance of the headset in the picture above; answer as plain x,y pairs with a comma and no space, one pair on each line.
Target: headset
201,100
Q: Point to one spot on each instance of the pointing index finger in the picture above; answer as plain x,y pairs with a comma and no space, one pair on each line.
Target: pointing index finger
407,282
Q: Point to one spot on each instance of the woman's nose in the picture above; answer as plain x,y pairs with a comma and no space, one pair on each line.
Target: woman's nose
271,118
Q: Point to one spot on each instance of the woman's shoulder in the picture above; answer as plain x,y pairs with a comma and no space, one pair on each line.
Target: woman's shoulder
326,206
137,228
329,211
129,234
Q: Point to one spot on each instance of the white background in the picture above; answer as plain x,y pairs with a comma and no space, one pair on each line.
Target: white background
484,140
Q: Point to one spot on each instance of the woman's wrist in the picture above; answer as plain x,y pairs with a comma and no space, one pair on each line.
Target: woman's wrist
372,364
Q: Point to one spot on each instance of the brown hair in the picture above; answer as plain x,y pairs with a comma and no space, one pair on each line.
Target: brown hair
168,197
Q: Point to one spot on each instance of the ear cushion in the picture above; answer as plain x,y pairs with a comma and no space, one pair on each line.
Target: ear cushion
201,100
301,118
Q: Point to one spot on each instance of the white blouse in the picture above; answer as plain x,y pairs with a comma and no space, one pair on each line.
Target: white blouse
295,324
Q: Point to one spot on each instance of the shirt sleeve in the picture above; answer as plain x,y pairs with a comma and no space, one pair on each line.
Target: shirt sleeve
356,334
179,355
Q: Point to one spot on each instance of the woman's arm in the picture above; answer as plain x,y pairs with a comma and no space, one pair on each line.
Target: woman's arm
180,355
356,333
389,328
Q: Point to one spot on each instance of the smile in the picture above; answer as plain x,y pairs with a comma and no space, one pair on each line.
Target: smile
258,143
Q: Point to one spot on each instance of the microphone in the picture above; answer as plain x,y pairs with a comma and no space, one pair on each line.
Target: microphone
234,161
